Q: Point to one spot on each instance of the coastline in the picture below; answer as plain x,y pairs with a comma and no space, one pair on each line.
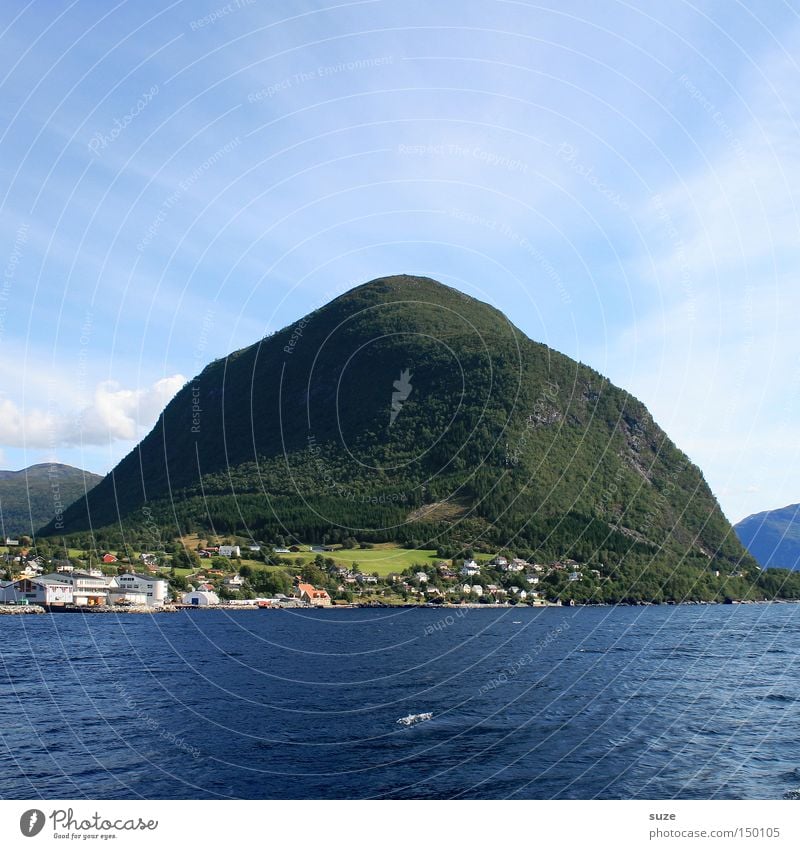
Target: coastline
37,609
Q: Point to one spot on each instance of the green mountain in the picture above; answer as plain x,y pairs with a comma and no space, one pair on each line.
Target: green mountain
31,497
773,537
405,410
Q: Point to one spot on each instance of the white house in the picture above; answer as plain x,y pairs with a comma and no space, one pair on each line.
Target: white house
532,579
124,587
230,551
470,568
574,576
36,591
422,577
200,599
477,589
500,561
233,583
516,565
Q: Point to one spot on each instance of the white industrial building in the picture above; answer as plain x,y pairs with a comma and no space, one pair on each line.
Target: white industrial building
200,598
88,590
138,589
36,591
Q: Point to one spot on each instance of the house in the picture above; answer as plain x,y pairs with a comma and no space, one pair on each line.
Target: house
444,570
477,589
230,551
235,582
155,590
470,568
310,595
36,591
574,576
422,577
532,579
109,558
148,559
370,579
281,550
88,590
516,565
500,561
62,566
254,548
10,541
200,599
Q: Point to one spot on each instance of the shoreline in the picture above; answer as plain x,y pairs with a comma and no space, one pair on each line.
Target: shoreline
38,609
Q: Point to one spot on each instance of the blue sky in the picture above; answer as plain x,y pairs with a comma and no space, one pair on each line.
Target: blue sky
621,179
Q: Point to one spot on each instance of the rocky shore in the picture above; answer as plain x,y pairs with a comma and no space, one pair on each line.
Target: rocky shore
15,609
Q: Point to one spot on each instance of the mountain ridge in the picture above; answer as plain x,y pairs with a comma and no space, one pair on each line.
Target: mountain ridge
773,537
32,496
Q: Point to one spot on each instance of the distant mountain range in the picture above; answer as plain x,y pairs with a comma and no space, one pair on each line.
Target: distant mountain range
34,496
773,537
407,411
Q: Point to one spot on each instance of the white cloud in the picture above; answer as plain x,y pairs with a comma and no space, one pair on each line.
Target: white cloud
114,414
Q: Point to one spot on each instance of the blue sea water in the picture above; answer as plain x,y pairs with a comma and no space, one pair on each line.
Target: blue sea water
581,703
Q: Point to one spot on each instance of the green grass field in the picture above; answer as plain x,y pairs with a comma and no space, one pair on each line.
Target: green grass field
383,559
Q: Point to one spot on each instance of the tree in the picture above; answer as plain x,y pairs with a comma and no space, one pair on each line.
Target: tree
184,558
271,582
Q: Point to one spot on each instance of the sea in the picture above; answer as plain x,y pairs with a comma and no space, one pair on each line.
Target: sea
659,702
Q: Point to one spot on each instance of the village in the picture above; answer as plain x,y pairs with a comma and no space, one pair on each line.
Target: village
150,582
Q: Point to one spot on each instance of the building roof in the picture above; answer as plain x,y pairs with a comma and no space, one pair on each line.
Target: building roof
148,578
312,591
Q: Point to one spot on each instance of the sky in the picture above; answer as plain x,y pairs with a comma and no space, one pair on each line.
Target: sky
620,179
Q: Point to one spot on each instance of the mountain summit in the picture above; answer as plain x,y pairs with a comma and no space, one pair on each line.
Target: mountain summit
405,410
